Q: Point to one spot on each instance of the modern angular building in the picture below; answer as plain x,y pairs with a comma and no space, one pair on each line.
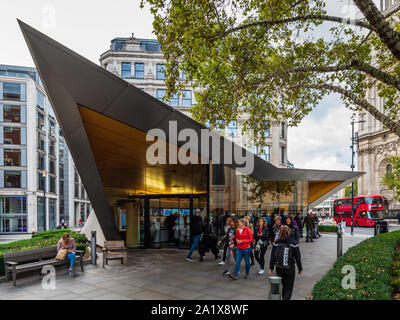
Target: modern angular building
109,125
141,63
39,186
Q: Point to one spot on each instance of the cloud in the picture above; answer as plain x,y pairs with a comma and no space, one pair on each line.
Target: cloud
322,142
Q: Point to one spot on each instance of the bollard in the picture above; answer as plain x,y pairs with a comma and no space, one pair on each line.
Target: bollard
93,248
339,244
276,288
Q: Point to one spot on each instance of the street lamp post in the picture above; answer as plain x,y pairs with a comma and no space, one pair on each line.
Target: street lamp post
352,169
44,174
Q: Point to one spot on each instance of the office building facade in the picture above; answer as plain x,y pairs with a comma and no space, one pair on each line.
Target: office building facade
39,186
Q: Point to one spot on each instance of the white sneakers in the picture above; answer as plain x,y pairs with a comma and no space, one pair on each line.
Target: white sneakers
188,259
222,263
261,271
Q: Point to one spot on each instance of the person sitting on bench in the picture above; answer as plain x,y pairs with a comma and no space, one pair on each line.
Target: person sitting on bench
68,243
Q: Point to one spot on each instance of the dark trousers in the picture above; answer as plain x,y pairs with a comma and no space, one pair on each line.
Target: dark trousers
260,256
287,276
225,249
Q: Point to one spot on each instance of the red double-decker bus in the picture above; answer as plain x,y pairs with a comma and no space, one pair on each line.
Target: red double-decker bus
367,210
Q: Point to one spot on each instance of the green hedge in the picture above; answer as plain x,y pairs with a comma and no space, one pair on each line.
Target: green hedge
40,240
327,228
372,260
395,274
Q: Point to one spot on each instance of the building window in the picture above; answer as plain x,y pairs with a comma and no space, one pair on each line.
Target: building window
283,149
52,166
282,129
41,121
266,132
183,76
389,168
126,72
160,74
174,101
52,214
12,113
52,128
254,149
232,127
12,135
12,157
41,142
13,214
187,98
161,94
52,186
52,147
41,165
219,126
41,215
61,171
40,100
13,91
41,181
265,153
12,179
139,70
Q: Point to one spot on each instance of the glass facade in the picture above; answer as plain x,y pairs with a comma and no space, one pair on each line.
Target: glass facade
232,128
186,98
13,214
52,213
41,216
160,71
12,91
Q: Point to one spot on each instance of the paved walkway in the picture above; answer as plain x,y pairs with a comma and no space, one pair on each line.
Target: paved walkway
164,274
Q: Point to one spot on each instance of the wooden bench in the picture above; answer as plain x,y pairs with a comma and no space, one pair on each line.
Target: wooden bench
34,259
114,250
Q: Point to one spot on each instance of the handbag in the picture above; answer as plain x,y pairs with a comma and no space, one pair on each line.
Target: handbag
61,254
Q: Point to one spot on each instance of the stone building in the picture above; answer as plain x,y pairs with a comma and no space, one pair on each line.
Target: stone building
376,143
141,63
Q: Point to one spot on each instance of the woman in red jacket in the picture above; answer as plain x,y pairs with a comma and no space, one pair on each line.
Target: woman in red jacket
244,237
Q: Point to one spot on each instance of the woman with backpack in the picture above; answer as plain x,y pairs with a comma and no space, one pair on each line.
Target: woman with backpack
285,253
244,237
294,230
261,238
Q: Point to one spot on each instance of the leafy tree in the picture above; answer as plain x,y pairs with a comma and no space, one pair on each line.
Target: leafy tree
265,58
391,179
347,189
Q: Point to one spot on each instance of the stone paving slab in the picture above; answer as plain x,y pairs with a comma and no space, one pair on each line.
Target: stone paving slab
165,275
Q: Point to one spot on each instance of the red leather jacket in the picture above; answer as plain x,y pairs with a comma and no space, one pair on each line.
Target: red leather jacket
246,236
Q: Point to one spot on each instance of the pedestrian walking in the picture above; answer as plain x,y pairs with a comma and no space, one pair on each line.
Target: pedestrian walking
298,220
261,238
283,216
310,225
294,230
229,239
243,238
251,226
209,240
228,220
284,254
275,228
398,218
196,229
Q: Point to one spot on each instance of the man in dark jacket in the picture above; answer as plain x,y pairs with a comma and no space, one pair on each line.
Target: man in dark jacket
309,222
196,228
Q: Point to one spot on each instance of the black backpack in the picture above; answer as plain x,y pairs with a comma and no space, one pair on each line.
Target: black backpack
283,255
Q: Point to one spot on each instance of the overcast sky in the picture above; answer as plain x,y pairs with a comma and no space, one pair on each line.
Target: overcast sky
321,141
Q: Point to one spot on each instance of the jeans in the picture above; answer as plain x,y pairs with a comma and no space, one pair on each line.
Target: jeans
240,254
71,257
309,236
196,240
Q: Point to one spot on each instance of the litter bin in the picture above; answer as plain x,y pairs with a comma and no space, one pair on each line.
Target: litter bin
383,227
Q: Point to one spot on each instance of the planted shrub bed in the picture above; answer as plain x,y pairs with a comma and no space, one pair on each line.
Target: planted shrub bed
327,228
372,260
40,240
